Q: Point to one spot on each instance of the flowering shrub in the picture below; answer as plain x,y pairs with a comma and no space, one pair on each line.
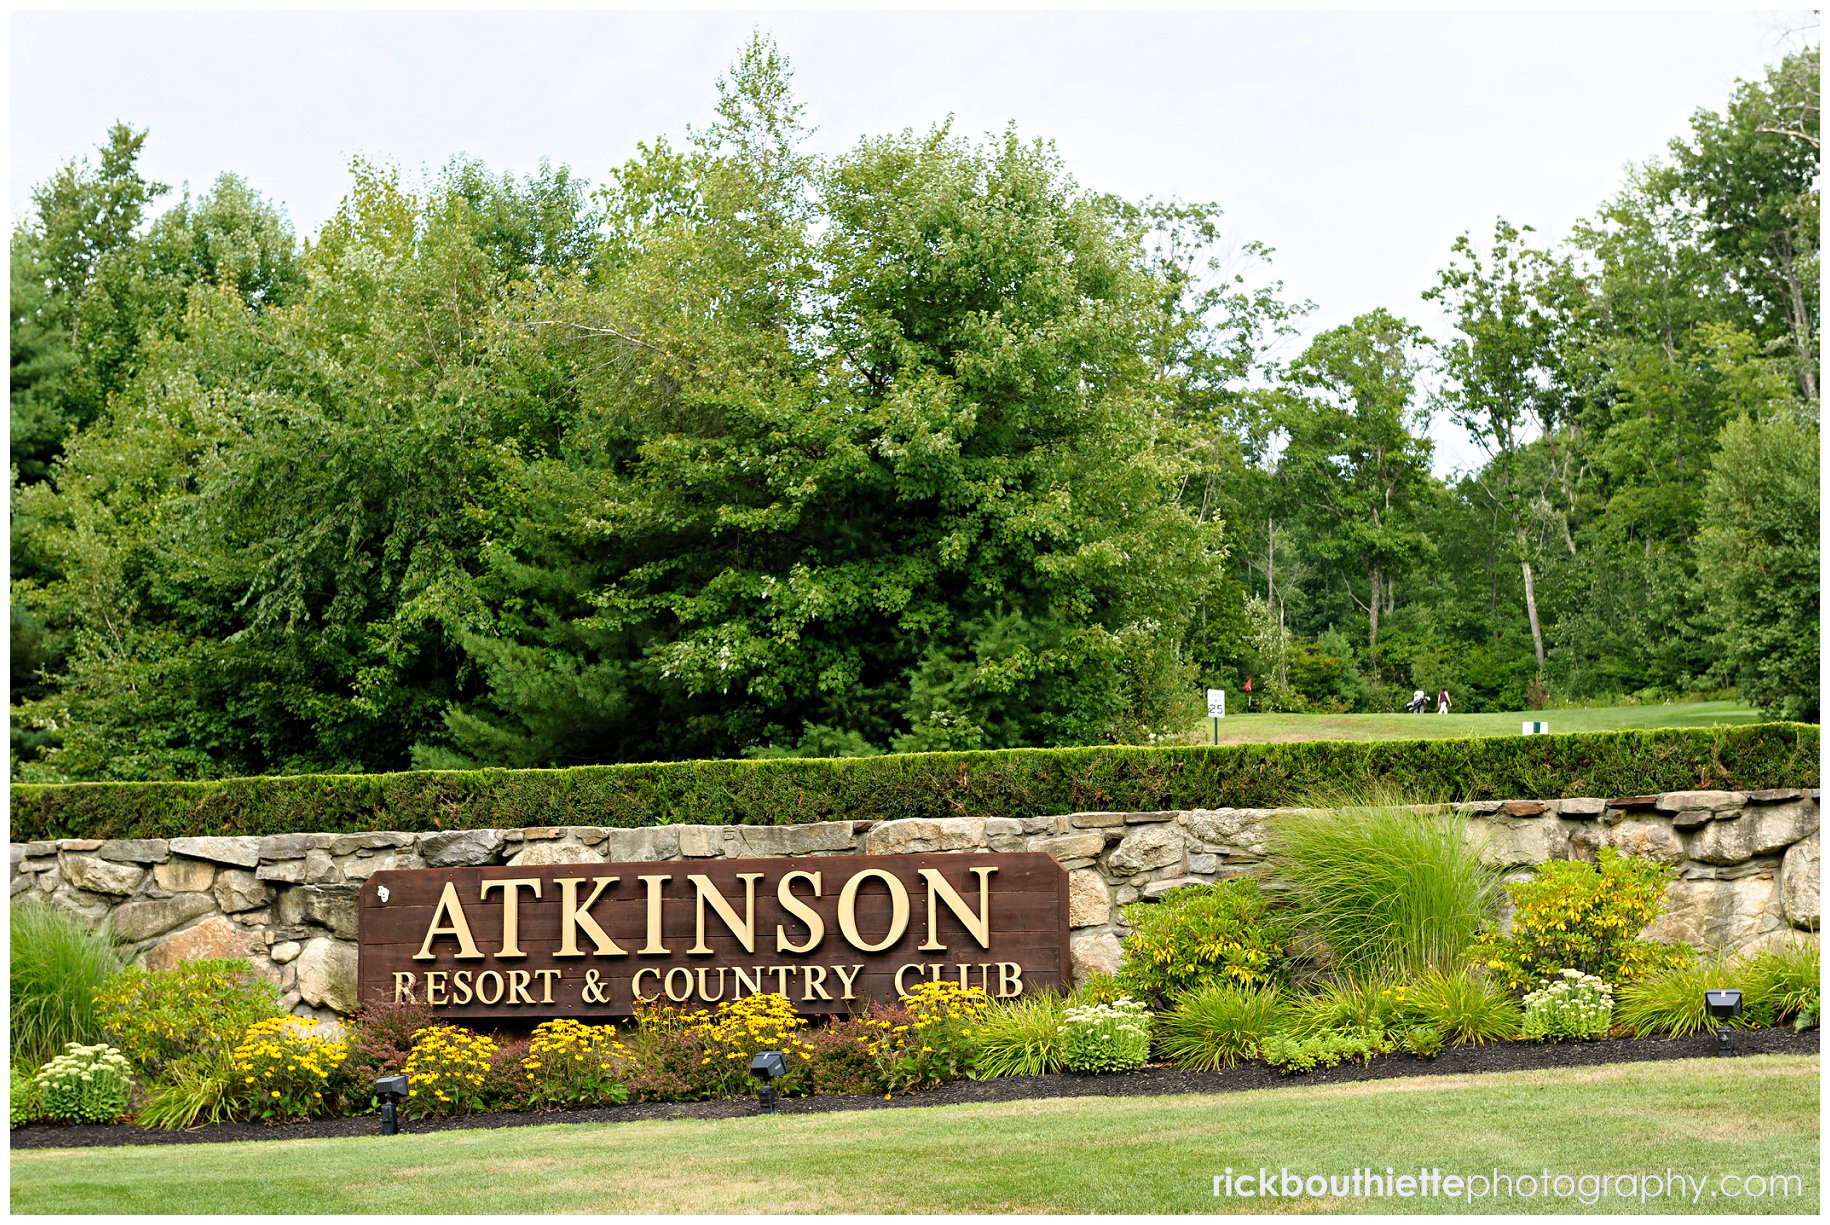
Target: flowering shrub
1201,934
571,1063
738,1030
380,1041
938,1040
1572,1005
446,1070
85,1084
157,1017
1585,917
284,1067
1111,1037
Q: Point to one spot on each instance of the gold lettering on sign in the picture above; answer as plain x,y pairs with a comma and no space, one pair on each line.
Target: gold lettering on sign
403,991
635,984
745,931
654,947
574,918
546,984
451,912
511,912
816,926
815,977
686,992
939,890
435,988
847,979
848,911
1010,979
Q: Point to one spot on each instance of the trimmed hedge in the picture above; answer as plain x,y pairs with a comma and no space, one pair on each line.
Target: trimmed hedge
1005,783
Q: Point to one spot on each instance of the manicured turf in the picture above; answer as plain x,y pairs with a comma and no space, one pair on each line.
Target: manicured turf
1242,727
1754,1116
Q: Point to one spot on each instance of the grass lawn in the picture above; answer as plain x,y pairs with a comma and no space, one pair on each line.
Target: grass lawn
1241,727
1751,1116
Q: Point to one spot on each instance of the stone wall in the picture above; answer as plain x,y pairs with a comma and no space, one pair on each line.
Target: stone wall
1747,870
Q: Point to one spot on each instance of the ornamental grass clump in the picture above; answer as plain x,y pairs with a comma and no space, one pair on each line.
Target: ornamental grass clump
57,962
1464,1007
1111,1037
1199,934
285,1068
1784,982
85,1084
1586,917
1574,1006
1020,1037
1387,890
570,1063
447,1070
1219,1026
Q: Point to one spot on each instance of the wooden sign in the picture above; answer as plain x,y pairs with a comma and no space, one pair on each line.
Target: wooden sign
828,932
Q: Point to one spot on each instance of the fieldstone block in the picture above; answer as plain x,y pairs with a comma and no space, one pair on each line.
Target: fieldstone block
459,848
1157,888
332,906
540,833
1152,846
1093,952
184,875
1044,825
785,840
1089,900
1798,882
700,841
1478,808
1634,801
136,921
136,850
556,852
349,844
920,834
1582,808
327,975
34,849
1203,865
1709,801
238,890
1235,829
361,867
1733,915
1071,846
1646,838
1514,843
101,876
1095,820
292,846
1692,818
240,852
1774,795
1524,808
20,884
284,951
1141,818
641,845
1762,831
286,872
79,844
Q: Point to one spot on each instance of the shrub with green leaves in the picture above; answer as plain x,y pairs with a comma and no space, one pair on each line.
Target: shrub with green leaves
1423,1041
1386,889
1020,1037
1292,1054
85,1084
1200,934
1219,1026
1464,1006
22,1092
1096,987
57,961
1583,916
1573,1006
1111,1037
158,1017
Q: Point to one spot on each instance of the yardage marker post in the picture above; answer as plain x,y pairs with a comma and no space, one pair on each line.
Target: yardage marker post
1216,709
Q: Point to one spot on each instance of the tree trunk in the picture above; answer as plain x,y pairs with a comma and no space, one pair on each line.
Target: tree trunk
1802,341
1531,611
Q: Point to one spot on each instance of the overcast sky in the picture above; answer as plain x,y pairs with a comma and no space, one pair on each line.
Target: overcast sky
1356,144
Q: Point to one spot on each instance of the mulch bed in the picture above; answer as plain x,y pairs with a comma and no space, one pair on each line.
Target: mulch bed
1494,1057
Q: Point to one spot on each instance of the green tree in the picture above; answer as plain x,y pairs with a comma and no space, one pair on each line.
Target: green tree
1758,560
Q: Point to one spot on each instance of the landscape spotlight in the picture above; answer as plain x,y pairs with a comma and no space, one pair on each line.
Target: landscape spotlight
390,1089
1724,1005
766,1066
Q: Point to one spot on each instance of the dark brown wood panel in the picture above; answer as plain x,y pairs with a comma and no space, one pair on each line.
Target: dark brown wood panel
1026,918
